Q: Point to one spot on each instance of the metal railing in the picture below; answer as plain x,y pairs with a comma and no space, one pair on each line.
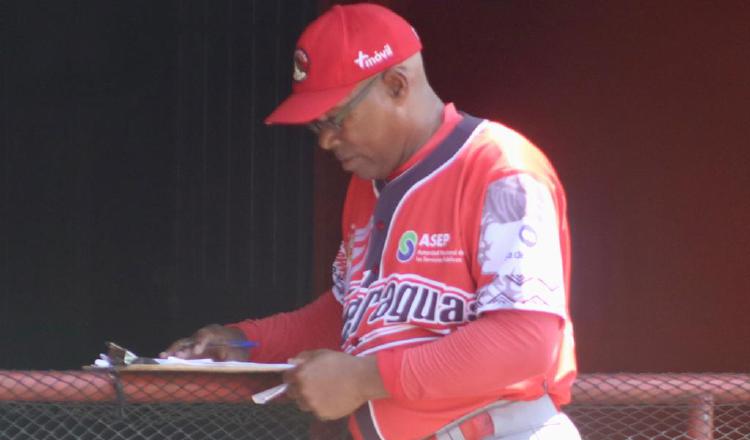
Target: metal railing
67,405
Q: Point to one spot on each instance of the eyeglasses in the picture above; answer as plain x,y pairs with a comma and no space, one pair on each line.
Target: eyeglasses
334,121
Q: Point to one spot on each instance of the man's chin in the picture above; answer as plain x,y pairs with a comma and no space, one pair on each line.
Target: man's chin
360,169
363,174
351,167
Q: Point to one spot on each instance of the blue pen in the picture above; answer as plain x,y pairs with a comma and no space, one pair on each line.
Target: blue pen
236,344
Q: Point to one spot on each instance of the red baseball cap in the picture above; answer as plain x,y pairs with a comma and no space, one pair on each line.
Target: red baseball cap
339,49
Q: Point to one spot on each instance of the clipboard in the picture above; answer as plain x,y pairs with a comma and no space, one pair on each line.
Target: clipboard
215,367
195,366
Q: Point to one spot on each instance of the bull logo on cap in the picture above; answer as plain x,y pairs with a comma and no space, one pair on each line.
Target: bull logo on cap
301,65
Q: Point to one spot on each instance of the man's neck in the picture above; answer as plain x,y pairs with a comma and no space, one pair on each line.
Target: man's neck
426,121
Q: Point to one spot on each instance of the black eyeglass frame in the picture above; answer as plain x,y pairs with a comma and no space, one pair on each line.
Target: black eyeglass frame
334,122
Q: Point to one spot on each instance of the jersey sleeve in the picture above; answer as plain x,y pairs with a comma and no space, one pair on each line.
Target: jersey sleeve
284,335
484,357
519,251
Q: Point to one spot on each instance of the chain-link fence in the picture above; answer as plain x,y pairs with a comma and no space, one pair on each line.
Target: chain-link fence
662,406
68,405
89,405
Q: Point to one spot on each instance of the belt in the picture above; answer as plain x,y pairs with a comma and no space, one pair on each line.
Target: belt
498,419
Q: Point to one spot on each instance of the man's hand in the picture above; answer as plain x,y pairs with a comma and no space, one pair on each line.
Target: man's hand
212,341
332,384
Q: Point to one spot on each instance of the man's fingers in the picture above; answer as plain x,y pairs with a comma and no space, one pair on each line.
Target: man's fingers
188,348
291,380
302,356
293,392
303,406
199,346
209,342
295,381
180,348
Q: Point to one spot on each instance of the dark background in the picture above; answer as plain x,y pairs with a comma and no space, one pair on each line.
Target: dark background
142,196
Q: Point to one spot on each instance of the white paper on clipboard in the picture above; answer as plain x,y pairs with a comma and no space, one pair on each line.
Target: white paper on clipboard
196,365
209,363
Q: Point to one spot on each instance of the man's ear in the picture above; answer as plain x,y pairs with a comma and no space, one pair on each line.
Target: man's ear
397,84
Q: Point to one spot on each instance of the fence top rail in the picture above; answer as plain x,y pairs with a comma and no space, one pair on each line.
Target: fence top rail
141,387
661,388
149,387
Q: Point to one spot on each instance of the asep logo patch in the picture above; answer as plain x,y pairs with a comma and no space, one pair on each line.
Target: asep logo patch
407,246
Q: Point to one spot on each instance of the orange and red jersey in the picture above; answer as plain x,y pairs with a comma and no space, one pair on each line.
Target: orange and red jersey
472,229
476,225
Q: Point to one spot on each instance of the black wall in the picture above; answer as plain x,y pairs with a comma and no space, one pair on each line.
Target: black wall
140,194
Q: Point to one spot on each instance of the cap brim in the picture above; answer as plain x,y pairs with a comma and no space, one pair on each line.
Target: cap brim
305,107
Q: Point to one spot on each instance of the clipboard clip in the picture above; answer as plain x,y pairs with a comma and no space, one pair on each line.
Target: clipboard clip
119,356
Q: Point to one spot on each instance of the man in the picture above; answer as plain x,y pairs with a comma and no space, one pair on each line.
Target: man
449,317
